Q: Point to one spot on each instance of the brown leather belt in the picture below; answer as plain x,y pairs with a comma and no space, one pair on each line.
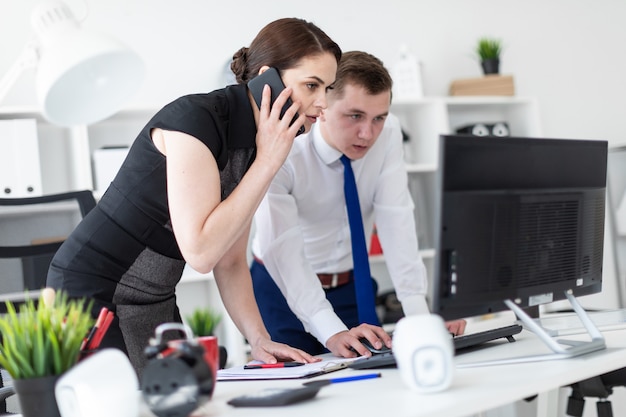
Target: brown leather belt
328,281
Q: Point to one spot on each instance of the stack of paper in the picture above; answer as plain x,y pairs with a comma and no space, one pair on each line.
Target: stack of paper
309,370
489,85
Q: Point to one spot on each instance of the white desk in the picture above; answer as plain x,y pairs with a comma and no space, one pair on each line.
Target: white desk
473,390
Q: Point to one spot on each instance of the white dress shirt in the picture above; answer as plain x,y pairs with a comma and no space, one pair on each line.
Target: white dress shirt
302,225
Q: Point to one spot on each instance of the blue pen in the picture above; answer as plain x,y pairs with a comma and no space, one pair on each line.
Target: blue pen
324,382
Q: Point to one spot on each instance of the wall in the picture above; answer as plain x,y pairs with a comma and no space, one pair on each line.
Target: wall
567,53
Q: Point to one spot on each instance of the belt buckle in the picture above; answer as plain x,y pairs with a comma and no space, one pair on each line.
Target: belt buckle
334,282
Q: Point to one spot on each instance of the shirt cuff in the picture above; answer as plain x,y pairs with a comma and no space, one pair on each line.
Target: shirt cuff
415,304
325,324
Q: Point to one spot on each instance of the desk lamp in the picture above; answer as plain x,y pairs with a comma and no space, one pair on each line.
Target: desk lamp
82,77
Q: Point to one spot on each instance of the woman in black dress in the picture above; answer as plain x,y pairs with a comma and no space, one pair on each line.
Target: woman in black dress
188,190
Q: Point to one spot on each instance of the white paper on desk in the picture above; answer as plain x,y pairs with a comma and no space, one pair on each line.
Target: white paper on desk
237,373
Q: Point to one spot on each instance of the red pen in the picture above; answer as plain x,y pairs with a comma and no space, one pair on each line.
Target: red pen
101,316
273,365
94,343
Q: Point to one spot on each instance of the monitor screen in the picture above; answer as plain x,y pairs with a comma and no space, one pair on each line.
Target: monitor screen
519,219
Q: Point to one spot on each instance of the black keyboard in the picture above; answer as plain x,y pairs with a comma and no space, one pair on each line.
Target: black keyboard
465,341
461,343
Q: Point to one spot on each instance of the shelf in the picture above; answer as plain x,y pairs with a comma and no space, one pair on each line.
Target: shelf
464,100
21,112
24,211
377,258
482,100
425,253
420,168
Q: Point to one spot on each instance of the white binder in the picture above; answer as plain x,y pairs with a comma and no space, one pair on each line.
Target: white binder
20,170
106,163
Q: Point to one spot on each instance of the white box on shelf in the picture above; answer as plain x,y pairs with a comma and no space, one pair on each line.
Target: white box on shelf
106,162
20,168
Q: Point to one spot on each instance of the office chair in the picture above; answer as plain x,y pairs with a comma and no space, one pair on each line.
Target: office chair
602,386
598,386
31,231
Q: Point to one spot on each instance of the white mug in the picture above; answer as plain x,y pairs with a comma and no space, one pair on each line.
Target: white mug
424,352
102,385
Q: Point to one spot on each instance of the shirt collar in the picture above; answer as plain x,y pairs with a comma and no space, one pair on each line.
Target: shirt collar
327,153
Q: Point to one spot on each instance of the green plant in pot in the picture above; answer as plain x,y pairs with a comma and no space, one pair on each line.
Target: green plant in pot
203,322
488,51
40,341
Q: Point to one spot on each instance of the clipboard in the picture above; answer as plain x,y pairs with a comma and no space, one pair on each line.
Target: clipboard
309,370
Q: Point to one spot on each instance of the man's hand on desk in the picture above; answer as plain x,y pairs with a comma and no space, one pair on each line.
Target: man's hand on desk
456,327
347,344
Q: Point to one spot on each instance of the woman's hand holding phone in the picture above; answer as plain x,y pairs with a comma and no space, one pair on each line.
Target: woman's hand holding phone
272,78
275,135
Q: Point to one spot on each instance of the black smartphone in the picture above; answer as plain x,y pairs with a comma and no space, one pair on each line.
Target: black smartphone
272,78
275,396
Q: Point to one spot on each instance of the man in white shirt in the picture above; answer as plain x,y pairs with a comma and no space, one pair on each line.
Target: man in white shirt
302,268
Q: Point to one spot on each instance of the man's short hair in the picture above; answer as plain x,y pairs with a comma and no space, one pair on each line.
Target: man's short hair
361,69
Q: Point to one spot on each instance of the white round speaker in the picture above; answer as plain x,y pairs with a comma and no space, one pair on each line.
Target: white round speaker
424,352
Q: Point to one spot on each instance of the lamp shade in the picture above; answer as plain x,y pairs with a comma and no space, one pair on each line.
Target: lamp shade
82,77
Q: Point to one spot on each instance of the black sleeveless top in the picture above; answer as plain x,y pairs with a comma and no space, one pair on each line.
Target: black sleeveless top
124,254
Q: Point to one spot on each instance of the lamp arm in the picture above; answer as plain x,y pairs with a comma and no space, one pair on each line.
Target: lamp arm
27,59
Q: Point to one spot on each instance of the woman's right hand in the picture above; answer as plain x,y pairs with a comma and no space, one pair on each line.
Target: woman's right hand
268,351
275,136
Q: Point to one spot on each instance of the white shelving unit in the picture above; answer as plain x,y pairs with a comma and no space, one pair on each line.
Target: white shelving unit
424,121
66,152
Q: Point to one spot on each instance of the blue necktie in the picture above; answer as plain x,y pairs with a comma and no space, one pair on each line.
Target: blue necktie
366,304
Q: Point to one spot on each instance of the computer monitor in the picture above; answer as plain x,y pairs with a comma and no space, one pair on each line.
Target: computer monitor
520,223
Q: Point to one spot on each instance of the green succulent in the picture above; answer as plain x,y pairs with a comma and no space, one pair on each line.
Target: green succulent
43,340
488,48
203,321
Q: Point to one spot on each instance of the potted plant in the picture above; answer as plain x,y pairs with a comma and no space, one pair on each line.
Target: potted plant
203,321
39,344
488,51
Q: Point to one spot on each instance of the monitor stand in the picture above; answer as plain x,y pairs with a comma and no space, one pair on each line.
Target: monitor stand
559,351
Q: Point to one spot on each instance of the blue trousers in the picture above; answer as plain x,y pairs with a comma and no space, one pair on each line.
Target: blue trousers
283,325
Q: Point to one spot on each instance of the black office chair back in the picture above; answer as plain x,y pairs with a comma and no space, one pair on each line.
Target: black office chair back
32,231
